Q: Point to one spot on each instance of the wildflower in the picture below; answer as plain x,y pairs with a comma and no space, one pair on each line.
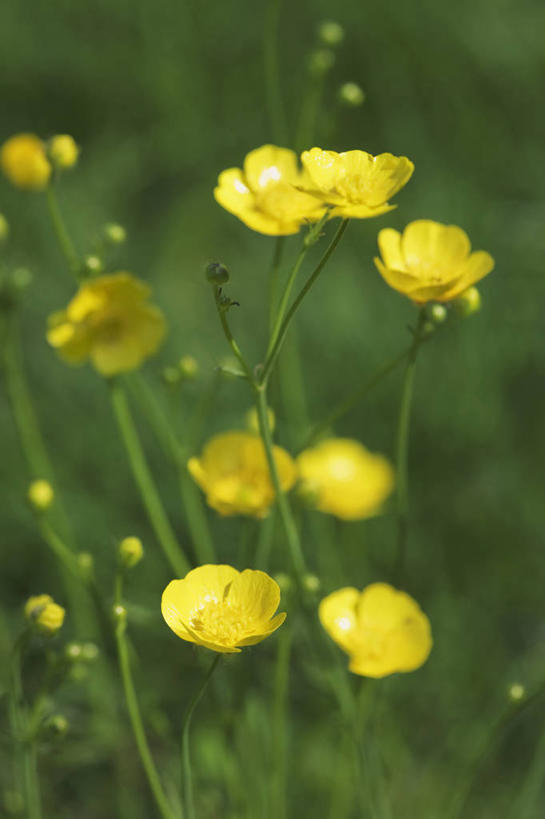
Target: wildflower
131,551
40,495
222,609
234,473
264,194
44,613
24,162
341,477
430,261
381,629
356,183
64,151
110,322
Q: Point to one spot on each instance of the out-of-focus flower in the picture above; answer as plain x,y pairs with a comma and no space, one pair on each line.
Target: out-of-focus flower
24,162
63,151
430,261
115,234
234,474
264,194
44,613
468,302
356,183
339,476
41,495
330,33
351,94
222,609
381,629
110,322
131,551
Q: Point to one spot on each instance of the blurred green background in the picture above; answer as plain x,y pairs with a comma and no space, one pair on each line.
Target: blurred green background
162,96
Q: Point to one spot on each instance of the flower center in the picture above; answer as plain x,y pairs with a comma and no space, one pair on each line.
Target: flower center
219,622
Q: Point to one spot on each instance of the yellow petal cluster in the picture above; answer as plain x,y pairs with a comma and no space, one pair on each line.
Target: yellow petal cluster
24,161
221,608
383,630
264,193
234,474
110,322
341,477
44,613
430,261
357,184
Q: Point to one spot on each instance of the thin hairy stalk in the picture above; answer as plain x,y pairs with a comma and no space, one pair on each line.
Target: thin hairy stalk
59,228
185,751
273,276
144,480
265,541
133,708
281,722
353,399
222,313
26,751
292,534
275,102
273,355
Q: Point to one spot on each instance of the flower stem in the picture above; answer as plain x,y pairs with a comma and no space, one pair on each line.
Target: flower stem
275,101
26,744
292,535
144,480
280,721
283,329
273,276
134,711
222,313
186,758
59,227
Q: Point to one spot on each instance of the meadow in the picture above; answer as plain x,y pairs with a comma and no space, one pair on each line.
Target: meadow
161,98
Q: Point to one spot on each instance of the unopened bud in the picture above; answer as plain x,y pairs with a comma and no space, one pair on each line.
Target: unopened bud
437,313
189,367
46,615
92,265
351,95
73,651
40,495
320,61
119,613
330,33
56,725
252,420
311,583
517,692
468,302
63,150
131,551
115,234
4,227
217,273
86,564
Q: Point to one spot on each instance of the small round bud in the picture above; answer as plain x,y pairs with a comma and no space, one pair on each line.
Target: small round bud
320,61
4,228
217,273
86,564
351,95
517,692
330,33
437,313
46,615
73,651
56,725
89,652
40,495
252,420
119,613
189,367
131,551
312,583
284,581
63,151
21,278
427,329
468,302
24,162
92,265
115,234
171,376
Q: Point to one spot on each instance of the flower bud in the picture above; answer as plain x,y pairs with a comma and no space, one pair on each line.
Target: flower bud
517,692
21,278
320,62
63,151
252,420
73,651
40,495
56,725
131,551
171,376
189,368
312,583
330,33
468,302
24,162
4,227
114,234
351,95
92,265
437,313
86,564
46,615
119,613
217,273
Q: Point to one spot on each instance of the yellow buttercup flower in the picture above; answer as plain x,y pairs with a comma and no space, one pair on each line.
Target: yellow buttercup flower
24,162
264,194
341,477
234,473
44,613
383,630
356,183
222,609
430,261
110,322
63,150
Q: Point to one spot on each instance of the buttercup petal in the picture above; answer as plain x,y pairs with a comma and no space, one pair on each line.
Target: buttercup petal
268,165
400,281
478,265
257,594
337,613
272,625
389,243
232,192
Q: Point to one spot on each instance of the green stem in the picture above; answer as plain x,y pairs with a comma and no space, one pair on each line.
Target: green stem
272,356
288,521
353,398
59,548
134,711
285,297
275,101
59,227
281,721
144,480
265,541
273,276
222,313
186,758
26,743
529,793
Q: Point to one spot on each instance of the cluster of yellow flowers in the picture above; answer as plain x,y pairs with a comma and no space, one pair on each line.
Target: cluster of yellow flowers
28,161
